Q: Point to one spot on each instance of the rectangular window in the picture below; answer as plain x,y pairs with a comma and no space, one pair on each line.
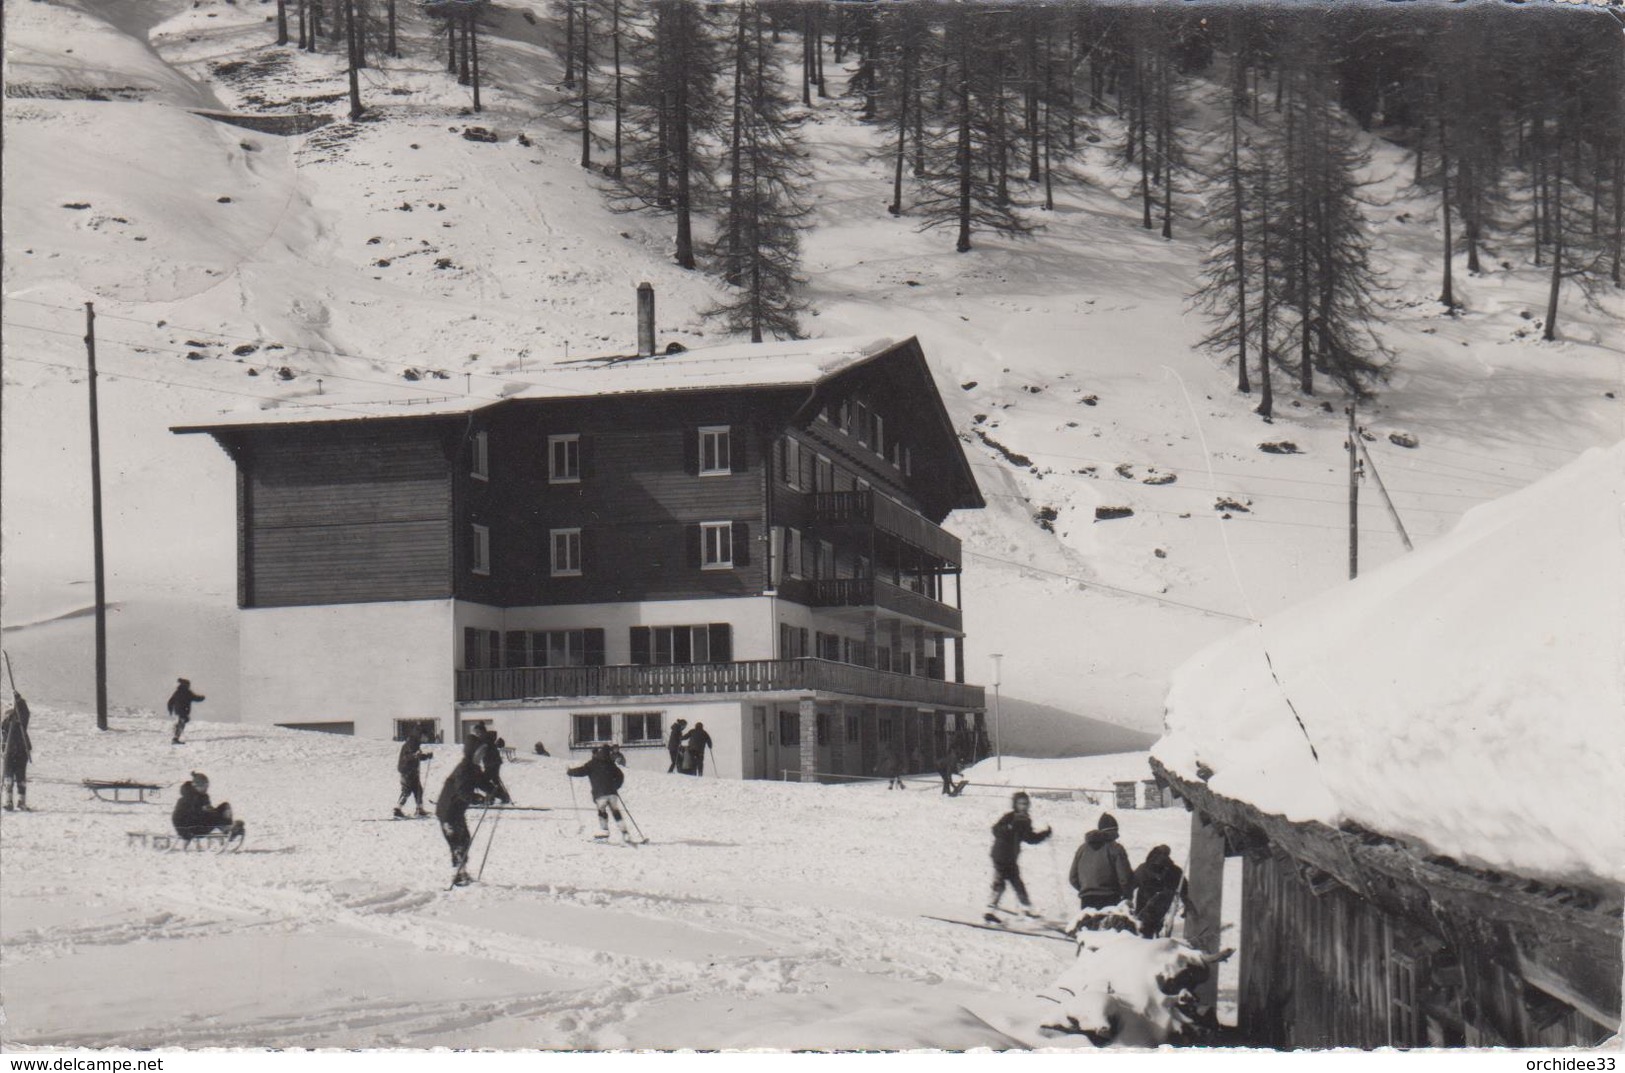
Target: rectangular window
714,450
792,552
826,559
908,463
427,729
589,730
566,552
564,459
709,643
479,552
482,649
862,419
792,463
559,648
843,416
821,729
642,728
716,545
789,727
823,475
879,441
851,729
829,647
480,456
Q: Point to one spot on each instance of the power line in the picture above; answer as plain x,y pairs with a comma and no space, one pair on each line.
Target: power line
1110,588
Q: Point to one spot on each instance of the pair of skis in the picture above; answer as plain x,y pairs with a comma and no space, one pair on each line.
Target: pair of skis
1013,924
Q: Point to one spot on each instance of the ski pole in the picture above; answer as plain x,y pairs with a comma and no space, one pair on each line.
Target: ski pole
627,809
490,838
713,753
9,676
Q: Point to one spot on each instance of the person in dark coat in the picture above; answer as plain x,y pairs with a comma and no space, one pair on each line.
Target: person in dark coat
1156,883
604,777
411,756
473,739
180,706
1100,870
698,741
466,785
491,758
195,817
948,768
1013,828
17,750
674,746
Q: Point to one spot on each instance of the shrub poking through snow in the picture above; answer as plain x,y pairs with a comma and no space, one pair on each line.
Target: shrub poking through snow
1106,514
1280,447
1046,518
1159,478
1226,503
1403,439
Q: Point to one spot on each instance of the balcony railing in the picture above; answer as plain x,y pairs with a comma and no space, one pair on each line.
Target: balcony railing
745,677
867,508
871,592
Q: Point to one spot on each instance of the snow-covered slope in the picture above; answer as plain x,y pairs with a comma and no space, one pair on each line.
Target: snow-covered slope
360,254
1468,697
760,914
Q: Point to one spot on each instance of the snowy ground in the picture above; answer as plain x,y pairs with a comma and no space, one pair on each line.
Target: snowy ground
362,250
760,915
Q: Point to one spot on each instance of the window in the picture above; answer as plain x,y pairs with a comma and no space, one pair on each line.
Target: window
792,641
480,460
829,647
564,459
843,416
879,441
851,729
427,729
642,728
908,463
789,727
792,463
792,552
716,546
479,551
826,559
823,475
863,424
482,649
821,729
714,450
588,730
566,552
710,643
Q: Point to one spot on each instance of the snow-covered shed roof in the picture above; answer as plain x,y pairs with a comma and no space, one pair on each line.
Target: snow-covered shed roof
1469,697
798,363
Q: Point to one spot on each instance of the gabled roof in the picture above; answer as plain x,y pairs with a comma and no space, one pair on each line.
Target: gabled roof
740,366
1468,698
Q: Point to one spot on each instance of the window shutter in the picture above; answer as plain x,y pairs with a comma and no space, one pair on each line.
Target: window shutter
691,450
695,537
471,648
741,542
493,641
584,551
738,441
722,643
775,555
515,651
592,647
640,644
584,455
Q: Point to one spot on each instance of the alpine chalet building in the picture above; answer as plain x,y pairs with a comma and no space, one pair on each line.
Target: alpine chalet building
747,536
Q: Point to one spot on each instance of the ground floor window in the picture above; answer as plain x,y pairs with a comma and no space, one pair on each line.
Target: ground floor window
426,729
851,729
789,727
589,730
642,728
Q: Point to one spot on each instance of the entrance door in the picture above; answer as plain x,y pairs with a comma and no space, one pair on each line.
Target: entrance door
758,738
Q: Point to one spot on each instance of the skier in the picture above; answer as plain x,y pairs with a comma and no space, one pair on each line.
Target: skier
605,779
411,756
698,741
1100,870
1157,883
1013,828
491,759
674,746
18,751
466,785
195,817
948,769
180,706
473,738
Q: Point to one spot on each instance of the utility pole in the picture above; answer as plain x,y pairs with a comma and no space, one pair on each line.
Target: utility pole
355,59
96,522
998,746
1354,496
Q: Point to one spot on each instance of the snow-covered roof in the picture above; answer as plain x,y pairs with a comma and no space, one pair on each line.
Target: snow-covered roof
1469,697
799,363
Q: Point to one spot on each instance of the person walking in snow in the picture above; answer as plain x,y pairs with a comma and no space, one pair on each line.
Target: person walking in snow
948,768
17,750
466,785
195,816
698,741
1013,828
1100,870
894,768
492,758
674,746
1157,883
604,777
411,756
180,706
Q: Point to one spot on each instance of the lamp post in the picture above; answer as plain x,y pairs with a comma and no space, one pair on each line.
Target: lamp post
998,750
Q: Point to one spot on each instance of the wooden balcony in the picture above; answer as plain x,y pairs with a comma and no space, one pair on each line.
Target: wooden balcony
886,515
745,678
872,592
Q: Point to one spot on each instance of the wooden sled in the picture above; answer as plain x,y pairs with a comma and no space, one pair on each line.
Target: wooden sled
214,842
99,787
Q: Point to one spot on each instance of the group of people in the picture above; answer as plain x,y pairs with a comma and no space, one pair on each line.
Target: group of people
687,748
1100,870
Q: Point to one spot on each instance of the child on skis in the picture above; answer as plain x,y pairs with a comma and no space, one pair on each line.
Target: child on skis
412,755
1013,828
466,785
605,779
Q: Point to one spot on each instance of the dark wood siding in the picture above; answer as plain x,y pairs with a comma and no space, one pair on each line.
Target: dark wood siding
341,514
639,502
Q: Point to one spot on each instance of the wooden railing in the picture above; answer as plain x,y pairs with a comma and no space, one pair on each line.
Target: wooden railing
744,677
871,592
868,508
